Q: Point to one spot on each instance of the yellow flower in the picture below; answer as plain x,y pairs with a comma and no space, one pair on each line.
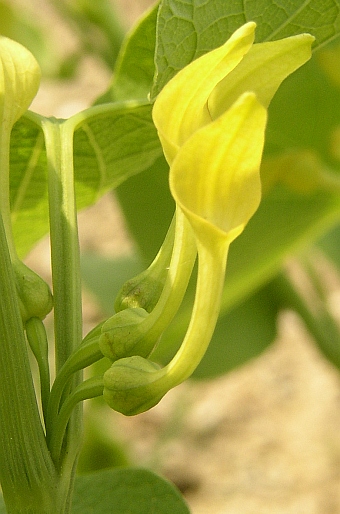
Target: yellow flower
211,120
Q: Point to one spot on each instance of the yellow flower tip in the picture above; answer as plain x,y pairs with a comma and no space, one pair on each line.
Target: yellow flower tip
19,80
262,71
215,177
181,107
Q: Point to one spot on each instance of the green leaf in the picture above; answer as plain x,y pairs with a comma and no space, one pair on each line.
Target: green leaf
135,67
126,491
98,166
111,143
285,223
188,28
28,184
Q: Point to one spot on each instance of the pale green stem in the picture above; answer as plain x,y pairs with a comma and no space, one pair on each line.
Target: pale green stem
64,238
86,354
65,275
90,388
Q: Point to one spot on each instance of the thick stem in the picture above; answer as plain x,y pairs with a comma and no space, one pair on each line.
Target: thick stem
27,473
65,275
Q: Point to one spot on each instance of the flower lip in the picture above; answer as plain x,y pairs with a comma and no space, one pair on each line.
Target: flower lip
215,176
181,107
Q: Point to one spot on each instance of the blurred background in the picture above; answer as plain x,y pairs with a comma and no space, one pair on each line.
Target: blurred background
263,439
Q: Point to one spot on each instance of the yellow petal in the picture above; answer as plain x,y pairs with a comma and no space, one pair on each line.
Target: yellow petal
215,176
19,81
262,71
181,107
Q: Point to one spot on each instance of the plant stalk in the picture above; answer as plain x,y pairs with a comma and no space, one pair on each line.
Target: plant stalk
66,280
27,474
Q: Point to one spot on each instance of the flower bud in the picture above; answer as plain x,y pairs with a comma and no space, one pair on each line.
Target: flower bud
122,335
35,297
141,291
131,385
145,289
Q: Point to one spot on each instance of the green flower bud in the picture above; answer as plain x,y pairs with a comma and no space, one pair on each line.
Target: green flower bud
131,385
123,335
141,291
145,289
35,297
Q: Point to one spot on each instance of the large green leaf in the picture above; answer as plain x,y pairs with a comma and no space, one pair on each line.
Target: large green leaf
28,184
135,68
111,143
126,491
187,29
305,112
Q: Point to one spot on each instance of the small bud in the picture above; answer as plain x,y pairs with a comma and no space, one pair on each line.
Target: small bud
141,291
145,289
130,385
123,335
35,297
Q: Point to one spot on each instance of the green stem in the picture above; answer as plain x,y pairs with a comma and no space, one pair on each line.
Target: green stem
65,272
90,388
64,238
27,473
86,354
